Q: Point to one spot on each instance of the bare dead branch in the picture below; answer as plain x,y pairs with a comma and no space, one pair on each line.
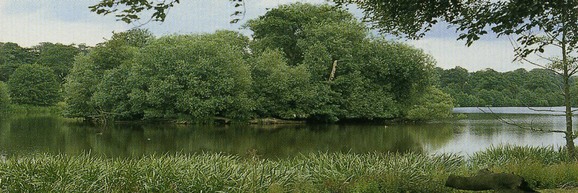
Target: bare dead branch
545,58
573,70
541,66
515,46
513,123
545,110
554,39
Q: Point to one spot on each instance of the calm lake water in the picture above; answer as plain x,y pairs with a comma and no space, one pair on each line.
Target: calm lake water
50,134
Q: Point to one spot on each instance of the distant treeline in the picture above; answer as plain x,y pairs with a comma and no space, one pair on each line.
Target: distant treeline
534,88
303,62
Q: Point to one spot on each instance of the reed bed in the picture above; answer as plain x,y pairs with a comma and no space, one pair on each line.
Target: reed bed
320,172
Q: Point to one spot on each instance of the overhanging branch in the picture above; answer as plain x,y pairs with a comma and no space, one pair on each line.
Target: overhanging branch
513,123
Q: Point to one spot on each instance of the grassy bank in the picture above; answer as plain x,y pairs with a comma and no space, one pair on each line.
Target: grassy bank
323,172
36,110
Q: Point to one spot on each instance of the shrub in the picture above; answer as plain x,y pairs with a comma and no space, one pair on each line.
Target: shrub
34,84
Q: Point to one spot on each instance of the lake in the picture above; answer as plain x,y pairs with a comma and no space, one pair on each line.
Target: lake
51,134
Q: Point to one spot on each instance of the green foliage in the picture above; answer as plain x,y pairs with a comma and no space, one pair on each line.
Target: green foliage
17,109
280,90
4,97
92,73
80,86
319,172
11,57
373,78
539,27
286,72
34,85
542,167
119,49
410,18
510,154
215,173
197,76
132,8
58,57
111,96
406,70
284,27
487,87
433,105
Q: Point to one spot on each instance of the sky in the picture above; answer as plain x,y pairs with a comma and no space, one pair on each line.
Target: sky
29,22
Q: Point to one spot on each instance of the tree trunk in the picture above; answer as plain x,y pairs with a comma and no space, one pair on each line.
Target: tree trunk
569,134
332,75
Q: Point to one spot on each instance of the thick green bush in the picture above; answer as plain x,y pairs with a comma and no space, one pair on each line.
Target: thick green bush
33,84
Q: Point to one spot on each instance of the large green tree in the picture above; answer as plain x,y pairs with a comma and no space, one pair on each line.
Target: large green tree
353,76
195,76
306,61
11,57
286,26
34,84
89,69
79,87
58,57
280,90
537,26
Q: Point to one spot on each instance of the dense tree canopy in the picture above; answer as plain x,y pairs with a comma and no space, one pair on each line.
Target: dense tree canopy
538,27
353,76
304,62
200,76
57,56
34,84
80,86
88,70
11,57
534,88
292,28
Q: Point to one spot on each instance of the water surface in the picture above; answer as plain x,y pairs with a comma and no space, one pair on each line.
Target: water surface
51,134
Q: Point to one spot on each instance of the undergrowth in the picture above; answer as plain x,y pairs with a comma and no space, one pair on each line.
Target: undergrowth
320,172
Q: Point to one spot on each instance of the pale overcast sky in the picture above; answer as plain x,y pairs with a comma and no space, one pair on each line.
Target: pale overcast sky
28,22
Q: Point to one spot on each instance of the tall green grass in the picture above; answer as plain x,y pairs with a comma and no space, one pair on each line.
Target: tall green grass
36,110
543,167
320,172
225,173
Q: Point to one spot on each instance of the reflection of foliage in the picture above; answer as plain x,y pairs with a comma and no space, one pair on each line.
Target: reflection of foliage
279,142
434,135
4,97
53,135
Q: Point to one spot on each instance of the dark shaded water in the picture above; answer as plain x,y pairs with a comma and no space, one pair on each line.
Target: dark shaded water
50,134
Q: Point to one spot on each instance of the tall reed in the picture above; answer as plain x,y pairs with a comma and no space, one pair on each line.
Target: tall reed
323,172
318,172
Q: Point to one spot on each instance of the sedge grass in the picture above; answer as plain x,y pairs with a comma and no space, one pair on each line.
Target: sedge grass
319,172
